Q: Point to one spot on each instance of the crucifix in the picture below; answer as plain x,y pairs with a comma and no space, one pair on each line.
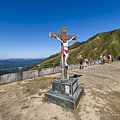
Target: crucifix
64,39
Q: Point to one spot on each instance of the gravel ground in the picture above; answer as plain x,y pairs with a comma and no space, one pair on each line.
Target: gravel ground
24,100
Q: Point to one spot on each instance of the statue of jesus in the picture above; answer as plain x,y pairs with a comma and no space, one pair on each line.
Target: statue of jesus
65,48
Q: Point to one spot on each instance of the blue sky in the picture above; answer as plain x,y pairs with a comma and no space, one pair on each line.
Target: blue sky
25,24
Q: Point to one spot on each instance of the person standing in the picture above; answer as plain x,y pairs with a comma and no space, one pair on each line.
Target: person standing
109,58
86,62
80,61
112,58
118,57
105,58
101,58
90,61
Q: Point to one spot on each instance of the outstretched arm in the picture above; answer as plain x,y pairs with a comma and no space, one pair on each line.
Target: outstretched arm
58,38
71,39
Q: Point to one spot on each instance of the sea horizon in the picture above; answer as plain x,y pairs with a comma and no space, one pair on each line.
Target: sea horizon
21,58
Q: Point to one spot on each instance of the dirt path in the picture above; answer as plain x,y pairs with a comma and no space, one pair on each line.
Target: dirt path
24,100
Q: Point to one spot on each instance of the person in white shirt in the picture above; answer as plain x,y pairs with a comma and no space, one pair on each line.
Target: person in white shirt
65,48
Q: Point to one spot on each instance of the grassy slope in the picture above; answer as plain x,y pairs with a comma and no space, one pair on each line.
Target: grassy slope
107,42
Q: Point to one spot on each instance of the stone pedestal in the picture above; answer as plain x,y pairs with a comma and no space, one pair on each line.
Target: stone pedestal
66,94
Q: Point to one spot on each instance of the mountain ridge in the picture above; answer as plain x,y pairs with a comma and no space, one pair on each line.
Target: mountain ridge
104,42
14,64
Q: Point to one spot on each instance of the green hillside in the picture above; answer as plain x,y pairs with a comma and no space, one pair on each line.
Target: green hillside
106,43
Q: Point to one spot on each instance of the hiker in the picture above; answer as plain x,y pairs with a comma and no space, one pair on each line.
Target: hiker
112,58
101,58
90,61
80,61
105,58
109,58
118,57
86,62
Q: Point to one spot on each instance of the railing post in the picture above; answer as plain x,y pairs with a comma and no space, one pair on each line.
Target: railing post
38,69
20,70
53,66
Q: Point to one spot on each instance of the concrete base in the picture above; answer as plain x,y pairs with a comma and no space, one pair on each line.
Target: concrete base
63,99
65,93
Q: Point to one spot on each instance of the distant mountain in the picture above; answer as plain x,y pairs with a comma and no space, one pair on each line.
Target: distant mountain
106,43
15,63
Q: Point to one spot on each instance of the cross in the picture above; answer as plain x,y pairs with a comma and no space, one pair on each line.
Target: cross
63,36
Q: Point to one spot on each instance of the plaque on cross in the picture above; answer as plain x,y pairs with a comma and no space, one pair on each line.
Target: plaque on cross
64,39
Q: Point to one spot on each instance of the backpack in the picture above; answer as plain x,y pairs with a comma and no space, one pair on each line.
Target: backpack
101,56
80,60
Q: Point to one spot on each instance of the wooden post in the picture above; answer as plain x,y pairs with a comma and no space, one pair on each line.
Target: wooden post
63,36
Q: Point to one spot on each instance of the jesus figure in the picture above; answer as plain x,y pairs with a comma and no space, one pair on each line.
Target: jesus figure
65,48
